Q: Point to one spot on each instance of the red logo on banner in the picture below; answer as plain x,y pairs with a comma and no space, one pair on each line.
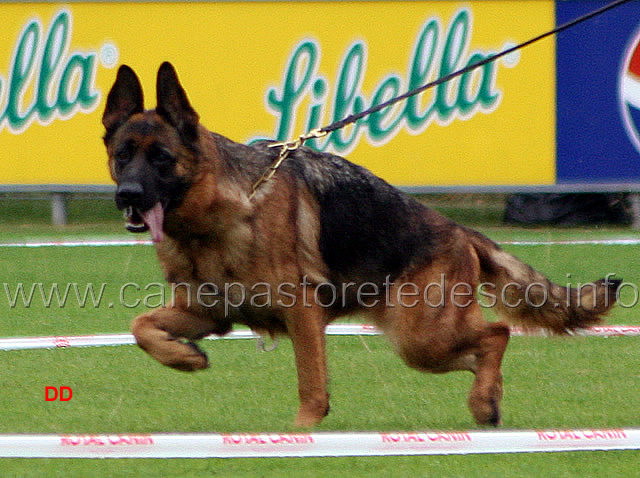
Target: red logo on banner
563,435
104,440
629,90
267,439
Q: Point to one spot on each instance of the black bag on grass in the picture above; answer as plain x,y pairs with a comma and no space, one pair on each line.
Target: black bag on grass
571,209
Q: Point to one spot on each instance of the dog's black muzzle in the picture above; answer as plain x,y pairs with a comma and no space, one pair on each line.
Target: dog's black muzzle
129,194
130,198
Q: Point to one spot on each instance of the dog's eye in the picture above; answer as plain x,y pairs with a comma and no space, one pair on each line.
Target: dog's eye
123,156
161,158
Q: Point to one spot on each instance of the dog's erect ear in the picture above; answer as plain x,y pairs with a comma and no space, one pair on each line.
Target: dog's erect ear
125,99
173,104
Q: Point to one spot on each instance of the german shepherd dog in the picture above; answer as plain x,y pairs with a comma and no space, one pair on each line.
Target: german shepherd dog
323,238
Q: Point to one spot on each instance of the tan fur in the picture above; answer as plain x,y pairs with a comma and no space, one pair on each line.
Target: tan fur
533,301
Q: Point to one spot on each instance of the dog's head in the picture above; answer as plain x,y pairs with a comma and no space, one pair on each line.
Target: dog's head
151,153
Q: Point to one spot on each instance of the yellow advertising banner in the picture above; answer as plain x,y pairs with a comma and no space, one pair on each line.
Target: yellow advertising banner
278,69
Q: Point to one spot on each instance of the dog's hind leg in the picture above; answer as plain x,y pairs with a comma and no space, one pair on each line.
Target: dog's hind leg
451,339
486,392
483,357
162,333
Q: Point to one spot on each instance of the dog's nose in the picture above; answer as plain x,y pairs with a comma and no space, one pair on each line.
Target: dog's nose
129,194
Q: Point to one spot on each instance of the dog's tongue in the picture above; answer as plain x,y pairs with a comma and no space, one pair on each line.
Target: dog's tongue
154,219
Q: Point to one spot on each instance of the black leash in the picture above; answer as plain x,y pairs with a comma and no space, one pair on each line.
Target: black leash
355,117
288,146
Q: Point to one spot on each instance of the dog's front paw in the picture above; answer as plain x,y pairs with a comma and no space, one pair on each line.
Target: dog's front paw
312,413
192,359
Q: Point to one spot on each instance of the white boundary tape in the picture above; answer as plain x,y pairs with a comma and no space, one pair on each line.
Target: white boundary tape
272,445
577,242
80,243
24,343
144,242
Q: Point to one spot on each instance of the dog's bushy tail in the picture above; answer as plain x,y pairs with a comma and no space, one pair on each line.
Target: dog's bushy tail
526,298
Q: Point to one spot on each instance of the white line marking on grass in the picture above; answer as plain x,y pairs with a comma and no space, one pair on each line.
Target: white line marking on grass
143,242
88,243
101,340
577,242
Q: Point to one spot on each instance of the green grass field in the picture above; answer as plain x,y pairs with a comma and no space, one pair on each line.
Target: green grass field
549,382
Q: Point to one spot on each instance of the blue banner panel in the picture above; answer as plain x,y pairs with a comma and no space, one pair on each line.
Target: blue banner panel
598,94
